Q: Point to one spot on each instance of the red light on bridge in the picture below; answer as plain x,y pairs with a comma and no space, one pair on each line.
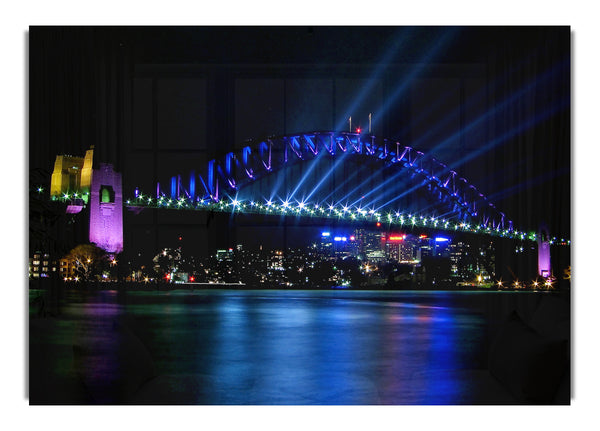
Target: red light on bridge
192,278
358,130
378,224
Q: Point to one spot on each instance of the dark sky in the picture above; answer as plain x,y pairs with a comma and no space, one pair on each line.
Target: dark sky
492,102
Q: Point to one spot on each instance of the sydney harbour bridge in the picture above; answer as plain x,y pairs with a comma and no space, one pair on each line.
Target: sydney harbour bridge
470,142
321,178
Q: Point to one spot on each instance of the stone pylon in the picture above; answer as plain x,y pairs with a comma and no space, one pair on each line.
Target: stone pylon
544,267
106,209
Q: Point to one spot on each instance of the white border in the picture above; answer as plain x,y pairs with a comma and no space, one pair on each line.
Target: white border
582,19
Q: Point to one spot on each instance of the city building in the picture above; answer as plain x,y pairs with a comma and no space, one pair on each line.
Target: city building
392,251
276,261
460,260
393,246
372,246
423,252
325,244
41,266
67,269
225,255
469,262
406,251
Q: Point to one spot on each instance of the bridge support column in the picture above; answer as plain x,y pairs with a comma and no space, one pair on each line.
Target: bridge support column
544,268
106,209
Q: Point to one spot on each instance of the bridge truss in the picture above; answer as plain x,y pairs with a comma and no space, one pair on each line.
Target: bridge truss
215,187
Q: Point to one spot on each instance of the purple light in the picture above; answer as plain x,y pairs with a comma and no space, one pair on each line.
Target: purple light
544,266
106,218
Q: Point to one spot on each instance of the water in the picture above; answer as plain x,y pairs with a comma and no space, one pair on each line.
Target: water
276,347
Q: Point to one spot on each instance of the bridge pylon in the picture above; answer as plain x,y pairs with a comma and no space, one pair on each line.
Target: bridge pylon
81,183
543,240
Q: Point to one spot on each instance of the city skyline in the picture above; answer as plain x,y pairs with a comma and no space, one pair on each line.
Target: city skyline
377,257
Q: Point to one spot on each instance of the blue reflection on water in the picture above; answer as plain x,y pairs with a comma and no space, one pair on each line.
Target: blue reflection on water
300,347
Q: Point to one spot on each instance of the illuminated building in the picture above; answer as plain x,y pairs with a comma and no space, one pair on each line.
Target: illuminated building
487,259
225,255
375,256
337,244
276,261
392,251
340,245
440,246
397,249
468,262
373,244
424,251
67,269
460,260
40,266
353,246
406,251
325,245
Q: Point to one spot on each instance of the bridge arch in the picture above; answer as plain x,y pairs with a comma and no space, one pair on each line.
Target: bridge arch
234,171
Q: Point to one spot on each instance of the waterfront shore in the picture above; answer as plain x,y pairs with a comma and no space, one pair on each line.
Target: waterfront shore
560,285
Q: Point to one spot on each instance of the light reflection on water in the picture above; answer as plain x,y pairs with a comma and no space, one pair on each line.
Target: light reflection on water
295,347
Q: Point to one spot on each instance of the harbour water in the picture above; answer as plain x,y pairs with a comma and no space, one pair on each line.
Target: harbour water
294,347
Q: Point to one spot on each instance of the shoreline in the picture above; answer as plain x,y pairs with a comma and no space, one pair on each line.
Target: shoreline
166,287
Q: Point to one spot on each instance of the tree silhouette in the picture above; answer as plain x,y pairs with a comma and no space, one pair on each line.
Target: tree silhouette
88,260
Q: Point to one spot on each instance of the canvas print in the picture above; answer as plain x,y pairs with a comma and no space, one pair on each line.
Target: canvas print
299,215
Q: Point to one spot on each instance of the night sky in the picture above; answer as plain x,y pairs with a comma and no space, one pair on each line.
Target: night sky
493,103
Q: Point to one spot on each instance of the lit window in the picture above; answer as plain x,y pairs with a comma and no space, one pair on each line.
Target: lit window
107,194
